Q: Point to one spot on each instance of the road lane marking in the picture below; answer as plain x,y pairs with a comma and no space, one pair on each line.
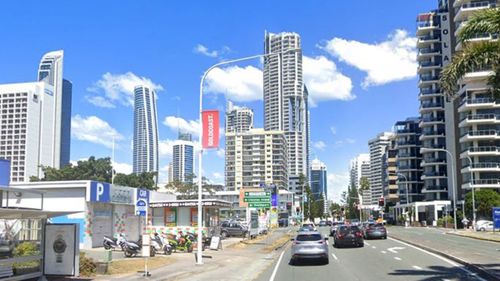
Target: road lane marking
397,258
276,267
441,258
383,252
367,243
335,257
417,267
395,249
373,247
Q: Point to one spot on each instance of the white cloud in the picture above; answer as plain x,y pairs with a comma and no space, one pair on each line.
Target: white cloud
180,124
200,49
336,184
236,83
385,62
221,152
319,145
94,130
118,88
333,130
324,81
123,168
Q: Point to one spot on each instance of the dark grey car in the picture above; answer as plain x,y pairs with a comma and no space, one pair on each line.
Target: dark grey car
233,228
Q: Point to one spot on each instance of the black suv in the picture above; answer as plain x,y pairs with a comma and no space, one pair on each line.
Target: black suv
233,228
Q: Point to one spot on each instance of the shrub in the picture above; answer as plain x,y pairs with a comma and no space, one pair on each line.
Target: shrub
87,265
25,249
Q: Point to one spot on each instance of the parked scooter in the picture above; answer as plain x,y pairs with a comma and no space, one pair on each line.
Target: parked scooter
160,244
132,249
113,243
181,243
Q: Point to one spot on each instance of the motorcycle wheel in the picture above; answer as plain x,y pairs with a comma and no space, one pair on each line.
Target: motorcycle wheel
152,252
127,253
106,246
168,251
190,248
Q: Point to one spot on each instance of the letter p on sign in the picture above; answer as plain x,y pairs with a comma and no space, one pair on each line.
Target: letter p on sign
99,191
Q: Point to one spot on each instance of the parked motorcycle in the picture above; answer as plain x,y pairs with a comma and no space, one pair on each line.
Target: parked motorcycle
132,249
160,244
110,242
185,245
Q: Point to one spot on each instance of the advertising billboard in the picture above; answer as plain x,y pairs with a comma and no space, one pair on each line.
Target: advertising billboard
4,172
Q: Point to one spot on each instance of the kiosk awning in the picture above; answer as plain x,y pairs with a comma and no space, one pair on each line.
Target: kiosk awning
12,213
191,203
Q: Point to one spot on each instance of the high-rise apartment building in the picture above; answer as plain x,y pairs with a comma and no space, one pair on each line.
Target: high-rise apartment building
285,100
256,158
359,167
408,161
238,119
183,161
319,179
145,154
389,176
50,71
478,110
35,120
377,149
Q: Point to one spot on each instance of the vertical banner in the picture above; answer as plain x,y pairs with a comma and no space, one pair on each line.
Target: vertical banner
4,172
210,137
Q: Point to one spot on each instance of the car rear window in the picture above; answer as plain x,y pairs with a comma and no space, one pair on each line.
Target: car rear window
348,228
309,237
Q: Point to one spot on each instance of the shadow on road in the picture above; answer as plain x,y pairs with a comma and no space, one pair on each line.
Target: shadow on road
433,273
307,263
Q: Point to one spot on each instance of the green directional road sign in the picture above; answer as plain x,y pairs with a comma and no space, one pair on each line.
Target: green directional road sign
257,199
257,193
259,205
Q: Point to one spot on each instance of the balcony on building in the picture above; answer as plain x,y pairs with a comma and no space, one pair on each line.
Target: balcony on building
433,161
480,135
426,23
427,80
480,151
429,92
406,143
477,39
428,65
430,121
431,106
470,119
425,53
433,175
482,183
426,40
435,189
477,103
465,10
431,133
481,167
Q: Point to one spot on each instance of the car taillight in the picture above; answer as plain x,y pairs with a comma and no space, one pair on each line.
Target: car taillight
296,242
321,242
358,234
340,236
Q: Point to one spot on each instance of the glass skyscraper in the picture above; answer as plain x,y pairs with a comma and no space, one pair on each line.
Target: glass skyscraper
145,130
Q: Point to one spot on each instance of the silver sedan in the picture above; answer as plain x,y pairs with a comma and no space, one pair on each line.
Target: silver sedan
309,245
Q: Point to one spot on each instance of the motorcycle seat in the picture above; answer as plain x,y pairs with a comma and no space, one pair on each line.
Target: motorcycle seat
111,238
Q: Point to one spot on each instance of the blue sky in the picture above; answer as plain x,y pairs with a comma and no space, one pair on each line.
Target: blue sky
359,65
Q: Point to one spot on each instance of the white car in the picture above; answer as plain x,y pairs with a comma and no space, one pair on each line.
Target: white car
480,223
486,226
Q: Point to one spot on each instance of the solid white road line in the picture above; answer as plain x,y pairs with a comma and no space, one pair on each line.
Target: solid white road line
368,244
441,258
335,257
417,267
276,267
396,258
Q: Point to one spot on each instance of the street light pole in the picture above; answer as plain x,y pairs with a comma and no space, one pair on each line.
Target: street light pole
200,132
424,149
473,195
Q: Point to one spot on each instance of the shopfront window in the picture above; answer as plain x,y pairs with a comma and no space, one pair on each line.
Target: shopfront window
194,217
170,217
20,247
158,217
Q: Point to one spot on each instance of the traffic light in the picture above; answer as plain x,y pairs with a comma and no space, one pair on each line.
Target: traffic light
381,201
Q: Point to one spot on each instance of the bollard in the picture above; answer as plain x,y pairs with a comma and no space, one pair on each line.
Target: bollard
108,256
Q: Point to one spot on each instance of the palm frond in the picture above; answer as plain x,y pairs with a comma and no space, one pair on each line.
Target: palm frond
471,58
485,21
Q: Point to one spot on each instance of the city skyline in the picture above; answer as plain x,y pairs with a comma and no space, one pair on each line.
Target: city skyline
344,94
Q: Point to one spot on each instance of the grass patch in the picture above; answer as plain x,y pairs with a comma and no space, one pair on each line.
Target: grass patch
277,243
133,265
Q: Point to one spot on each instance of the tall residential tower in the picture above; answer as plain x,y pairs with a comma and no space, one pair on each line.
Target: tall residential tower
285,100
145,155
377,150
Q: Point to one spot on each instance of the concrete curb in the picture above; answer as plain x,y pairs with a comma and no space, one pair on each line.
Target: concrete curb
483,273
474,237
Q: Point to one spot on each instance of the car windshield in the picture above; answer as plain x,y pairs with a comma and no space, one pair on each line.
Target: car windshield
309,237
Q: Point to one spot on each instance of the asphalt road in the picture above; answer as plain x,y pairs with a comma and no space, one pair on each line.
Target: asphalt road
377,260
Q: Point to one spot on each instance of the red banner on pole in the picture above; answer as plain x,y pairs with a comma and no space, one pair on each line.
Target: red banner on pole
210,136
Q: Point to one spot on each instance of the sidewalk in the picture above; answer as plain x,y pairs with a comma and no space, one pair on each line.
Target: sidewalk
238,260
478,255
480,235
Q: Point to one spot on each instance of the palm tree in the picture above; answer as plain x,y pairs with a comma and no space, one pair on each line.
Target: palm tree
475,55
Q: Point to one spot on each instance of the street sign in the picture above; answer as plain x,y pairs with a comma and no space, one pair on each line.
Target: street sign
496,217
142,202
256,199
259,205
257,193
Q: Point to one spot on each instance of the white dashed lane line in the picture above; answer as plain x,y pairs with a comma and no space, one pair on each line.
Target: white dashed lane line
373,247
417,267
397,258
368,244
335,257
383,252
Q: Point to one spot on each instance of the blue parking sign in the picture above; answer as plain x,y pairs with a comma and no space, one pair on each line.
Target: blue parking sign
142,202
496,217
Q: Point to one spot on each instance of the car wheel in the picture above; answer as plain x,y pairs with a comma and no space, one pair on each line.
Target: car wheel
482,229
326,261
385,237
361,245
224,234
